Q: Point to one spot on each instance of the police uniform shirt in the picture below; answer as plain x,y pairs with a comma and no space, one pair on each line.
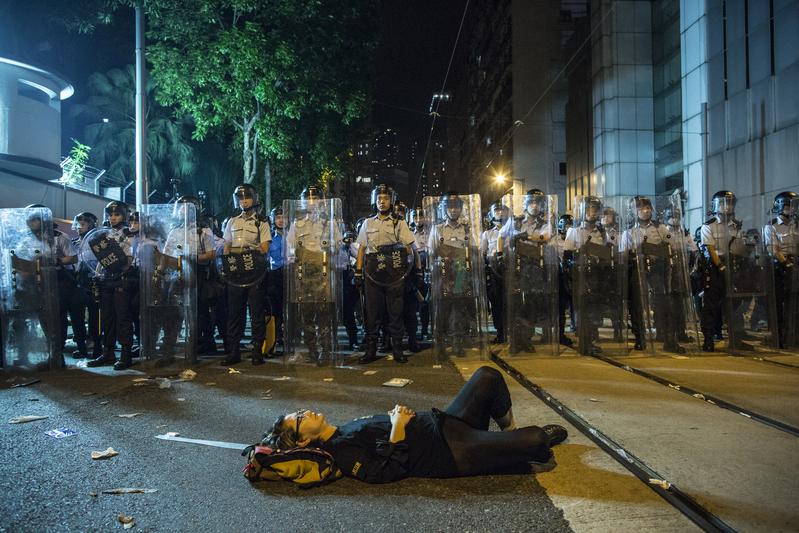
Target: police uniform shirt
421,237
578,236
489,242
246,231
715,234
558,244
198,244
451,234
782,237
312,234
376,232
612,236
641,233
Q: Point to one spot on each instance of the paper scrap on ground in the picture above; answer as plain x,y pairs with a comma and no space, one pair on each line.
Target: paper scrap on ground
129,415
107,454
141,380
593,400
370,373
232,370
181,399
164,383
60,433
26,384
105,402
665,485
281,378
128,490
26,418
214,443
188,374
327,379
397,382
436,366
126,521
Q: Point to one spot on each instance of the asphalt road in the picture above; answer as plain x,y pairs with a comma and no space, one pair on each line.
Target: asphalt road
47,483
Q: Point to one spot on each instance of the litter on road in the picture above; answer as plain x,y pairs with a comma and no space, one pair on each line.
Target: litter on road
60,433
26,384
128,490
107,454
188,374
126,521
129,415
26,418
397,382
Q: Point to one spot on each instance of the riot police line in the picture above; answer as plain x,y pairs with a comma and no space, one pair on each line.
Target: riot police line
164,282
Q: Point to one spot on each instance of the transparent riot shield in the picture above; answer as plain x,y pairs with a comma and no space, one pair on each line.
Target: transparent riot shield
28,290
750,311
458,298
661,309
313,280
599,272
167,258
532,275
782,242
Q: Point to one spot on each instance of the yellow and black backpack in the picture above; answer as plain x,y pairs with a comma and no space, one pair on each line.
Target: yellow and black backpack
307,467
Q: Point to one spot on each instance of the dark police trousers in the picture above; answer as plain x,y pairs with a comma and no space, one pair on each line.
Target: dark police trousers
239,299
71,303
476,450
378,299
117,298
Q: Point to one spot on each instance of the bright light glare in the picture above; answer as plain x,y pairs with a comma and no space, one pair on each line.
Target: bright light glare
500,178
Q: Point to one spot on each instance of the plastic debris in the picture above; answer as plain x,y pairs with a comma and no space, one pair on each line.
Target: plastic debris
370,373
281,378
181,399
397,382
60,433
327,379
129,415
93,494
128,490
663,484
699,395
26,418
593,400
107,454
188,374
26,384
105,402
172,434
164,383
436,366
126,521
232,370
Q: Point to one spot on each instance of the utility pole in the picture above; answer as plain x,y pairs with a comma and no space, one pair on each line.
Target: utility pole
141,111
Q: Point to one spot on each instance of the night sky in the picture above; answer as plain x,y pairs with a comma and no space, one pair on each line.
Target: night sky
416,42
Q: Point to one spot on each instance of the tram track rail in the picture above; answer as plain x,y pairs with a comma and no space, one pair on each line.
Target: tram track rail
683,502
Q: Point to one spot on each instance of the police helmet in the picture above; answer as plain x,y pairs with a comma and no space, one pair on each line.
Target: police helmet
116,207
383,189
33,212
358,225
565,220
134,217
349,236
725,199
495,212
535,197
639,202
588,208
85,216
245,190
610,212
783,200
190,199
312,193
400,209
277,210
416,218
451,201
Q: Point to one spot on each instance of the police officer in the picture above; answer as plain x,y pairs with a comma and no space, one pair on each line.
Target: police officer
782,239
311,245
492,250
349,255
418,223
249,230
565,222
648,245
276,264
87,292
117,294
411,295
716,234
379,235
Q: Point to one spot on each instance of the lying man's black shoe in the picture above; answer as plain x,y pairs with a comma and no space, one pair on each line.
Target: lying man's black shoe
557,434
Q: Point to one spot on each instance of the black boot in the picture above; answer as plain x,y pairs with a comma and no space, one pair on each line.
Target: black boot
107,359
396,348
370,354
125,359
413,344
257,356
708,346
234,357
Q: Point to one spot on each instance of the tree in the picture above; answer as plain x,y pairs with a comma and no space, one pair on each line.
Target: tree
270,69
110,110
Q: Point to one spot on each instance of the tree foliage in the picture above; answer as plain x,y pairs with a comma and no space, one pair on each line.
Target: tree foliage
110,110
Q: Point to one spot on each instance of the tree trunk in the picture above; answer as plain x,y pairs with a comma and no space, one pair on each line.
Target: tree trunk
250,146
268,184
